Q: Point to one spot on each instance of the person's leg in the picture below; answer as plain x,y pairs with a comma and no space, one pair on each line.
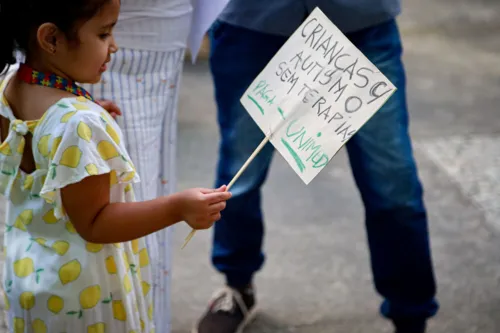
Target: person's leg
237,57
384,168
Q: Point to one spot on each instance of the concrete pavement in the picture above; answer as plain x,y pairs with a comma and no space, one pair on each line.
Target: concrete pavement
317,277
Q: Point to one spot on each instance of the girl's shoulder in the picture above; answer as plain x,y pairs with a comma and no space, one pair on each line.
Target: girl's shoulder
75,113
70,109
79,124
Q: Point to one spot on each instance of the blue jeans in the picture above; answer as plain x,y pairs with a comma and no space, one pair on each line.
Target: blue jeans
381,159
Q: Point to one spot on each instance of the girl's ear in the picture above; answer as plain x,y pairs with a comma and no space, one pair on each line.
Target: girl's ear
47,37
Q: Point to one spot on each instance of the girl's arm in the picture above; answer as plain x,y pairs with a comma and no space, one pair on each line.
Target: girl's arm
99,221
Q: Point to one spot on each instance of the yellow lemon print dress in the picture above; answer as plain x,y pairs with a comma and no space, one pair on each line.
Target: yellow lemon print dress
54,281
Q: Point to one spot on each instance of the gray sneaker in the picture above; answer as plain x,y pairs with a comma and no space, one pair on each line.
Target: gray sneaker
229,311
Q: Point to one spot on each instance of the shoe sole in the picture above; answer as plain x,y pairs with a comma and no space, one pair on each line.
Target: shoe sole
251,316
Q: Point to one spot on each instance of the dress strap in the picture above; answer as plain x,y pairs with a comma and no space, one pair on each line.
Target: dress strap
12,148
11,153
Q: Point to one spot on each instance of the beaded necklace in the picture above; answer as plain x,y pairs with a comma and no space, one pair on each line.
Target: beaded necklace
31,76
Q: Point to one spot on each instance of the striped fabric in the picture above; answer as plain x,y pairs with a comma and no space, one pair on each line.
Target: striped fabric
155,25
145,85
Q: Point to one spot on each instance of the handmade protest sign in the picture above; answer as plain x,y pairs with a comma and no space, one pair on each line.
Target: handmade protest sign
313,96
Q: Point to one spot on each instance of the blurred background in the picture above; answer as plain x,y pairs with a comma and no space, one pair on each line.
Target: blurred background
317,277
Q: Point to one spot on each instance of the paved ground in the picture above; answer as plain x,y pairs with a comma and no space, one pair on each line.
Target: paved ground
317,276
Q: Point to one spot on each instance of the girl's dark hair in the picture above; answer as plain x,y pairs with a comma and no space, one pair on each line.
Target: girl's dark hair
20,20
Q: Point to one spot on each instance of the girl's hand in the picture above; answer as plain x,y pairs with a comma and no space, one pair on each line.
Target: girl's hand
201,207
111,107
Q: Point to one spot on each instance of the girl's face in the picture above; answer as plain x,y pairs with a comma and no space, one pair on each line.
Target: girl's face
85,59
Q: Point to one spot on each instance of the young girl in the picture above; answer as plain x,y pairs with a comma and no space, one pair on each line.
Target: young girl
75,258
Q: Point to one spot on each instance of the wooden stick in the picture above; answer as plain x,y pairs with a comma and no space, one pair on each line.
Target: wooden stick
235,178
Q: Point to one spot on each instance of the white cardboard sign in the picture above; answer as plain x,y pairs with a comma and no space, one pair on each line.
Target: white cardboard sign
315,94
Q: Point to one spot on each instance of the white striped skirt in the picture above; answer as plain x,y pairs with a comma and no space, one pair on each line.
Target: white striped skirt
144,84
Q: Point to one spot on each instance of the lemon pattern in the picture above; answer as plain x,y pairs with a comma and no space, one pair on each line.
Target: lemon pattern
97,328
70,271
53,277
112,133
119,312
91,247
84,131
55,146
61,247
71,229
111,265
135,246
22,220
20,148
5,149
18,325
24,267
28,182
143,258
43,145
91,169
27,300
67,116
49,217
90,297
126,284
145,288
39,326
55,304
71,157
107,150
